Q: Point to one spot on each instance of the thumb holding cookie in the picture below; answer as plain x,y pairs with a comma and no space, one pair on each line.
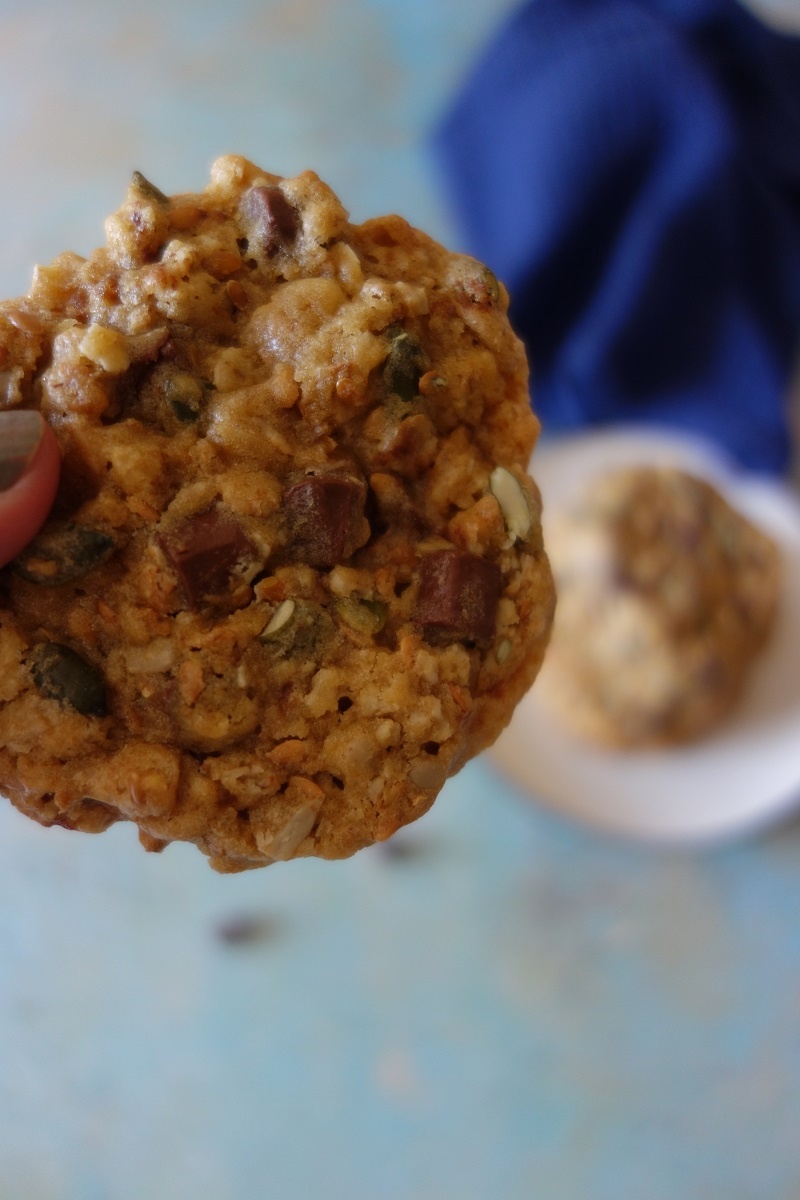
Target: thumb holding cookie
29,471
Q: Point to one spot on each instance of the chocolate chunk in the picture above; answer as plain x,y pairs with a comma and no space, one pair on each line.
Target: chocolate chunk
458,595
270,219
204,551
325,516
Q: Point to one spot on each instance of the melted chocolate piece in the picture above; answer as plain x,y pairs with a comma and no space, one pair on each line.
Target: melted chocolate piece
204,550
325,514
271,220
458,595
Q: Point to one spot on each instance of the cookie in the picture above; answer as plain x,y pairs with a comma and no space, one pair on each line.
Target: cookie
294,577
667,595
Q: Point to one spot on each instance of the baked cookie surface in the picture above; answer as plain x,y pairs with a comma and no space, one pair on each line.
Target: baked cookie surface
294,577
666,596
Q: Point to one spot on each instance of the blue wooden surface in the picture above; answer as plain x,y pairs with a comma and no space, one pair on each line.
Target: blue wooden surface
517,1008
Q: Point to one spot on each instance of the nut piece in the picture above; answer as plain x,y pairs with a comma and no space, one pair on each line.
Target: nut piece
503,651
458,596
513,504
107,348
155,657
283,844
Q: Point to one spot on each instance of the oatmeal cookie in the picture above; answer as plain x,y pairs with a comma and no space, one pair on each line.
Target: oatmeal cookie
666,597
294,577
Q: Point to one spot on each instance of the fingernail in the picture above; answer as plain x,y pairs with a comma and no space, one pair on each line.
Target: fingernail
21,431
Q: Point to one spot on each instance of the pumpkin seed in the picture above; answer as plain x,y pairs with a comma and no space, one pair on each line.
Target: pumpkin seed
62,553
491,284
184,394
60,673
367,617
405,364
296,627
143,185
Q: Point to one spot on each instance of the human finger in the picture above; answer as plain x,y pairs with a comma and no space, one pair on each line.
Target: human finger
29,471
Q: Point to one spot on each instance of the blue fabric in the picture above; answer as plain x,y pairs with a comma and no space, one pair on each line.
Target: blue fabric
631,170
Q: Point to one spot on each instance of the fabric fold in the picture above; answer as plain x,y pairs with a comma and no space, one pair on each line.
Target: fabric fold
631,170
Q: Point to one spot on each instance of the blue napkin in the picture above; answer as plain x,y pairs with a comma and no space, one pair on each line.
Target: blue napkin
631,170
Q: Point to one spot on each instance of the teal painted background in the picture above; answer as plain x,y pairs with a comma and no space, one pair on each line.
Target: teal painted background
513,1009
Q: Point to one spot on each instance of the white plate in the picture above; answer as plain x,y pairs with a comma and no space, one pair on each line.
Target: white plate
744,775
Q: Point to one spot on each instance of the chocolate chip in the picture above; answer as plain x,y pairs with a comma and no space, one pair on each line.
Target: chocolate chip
325,516
204,551
271,221
458,595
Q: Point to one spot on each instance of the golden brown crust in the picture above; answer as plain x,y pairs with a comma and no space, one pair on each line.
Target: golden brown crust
266,614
